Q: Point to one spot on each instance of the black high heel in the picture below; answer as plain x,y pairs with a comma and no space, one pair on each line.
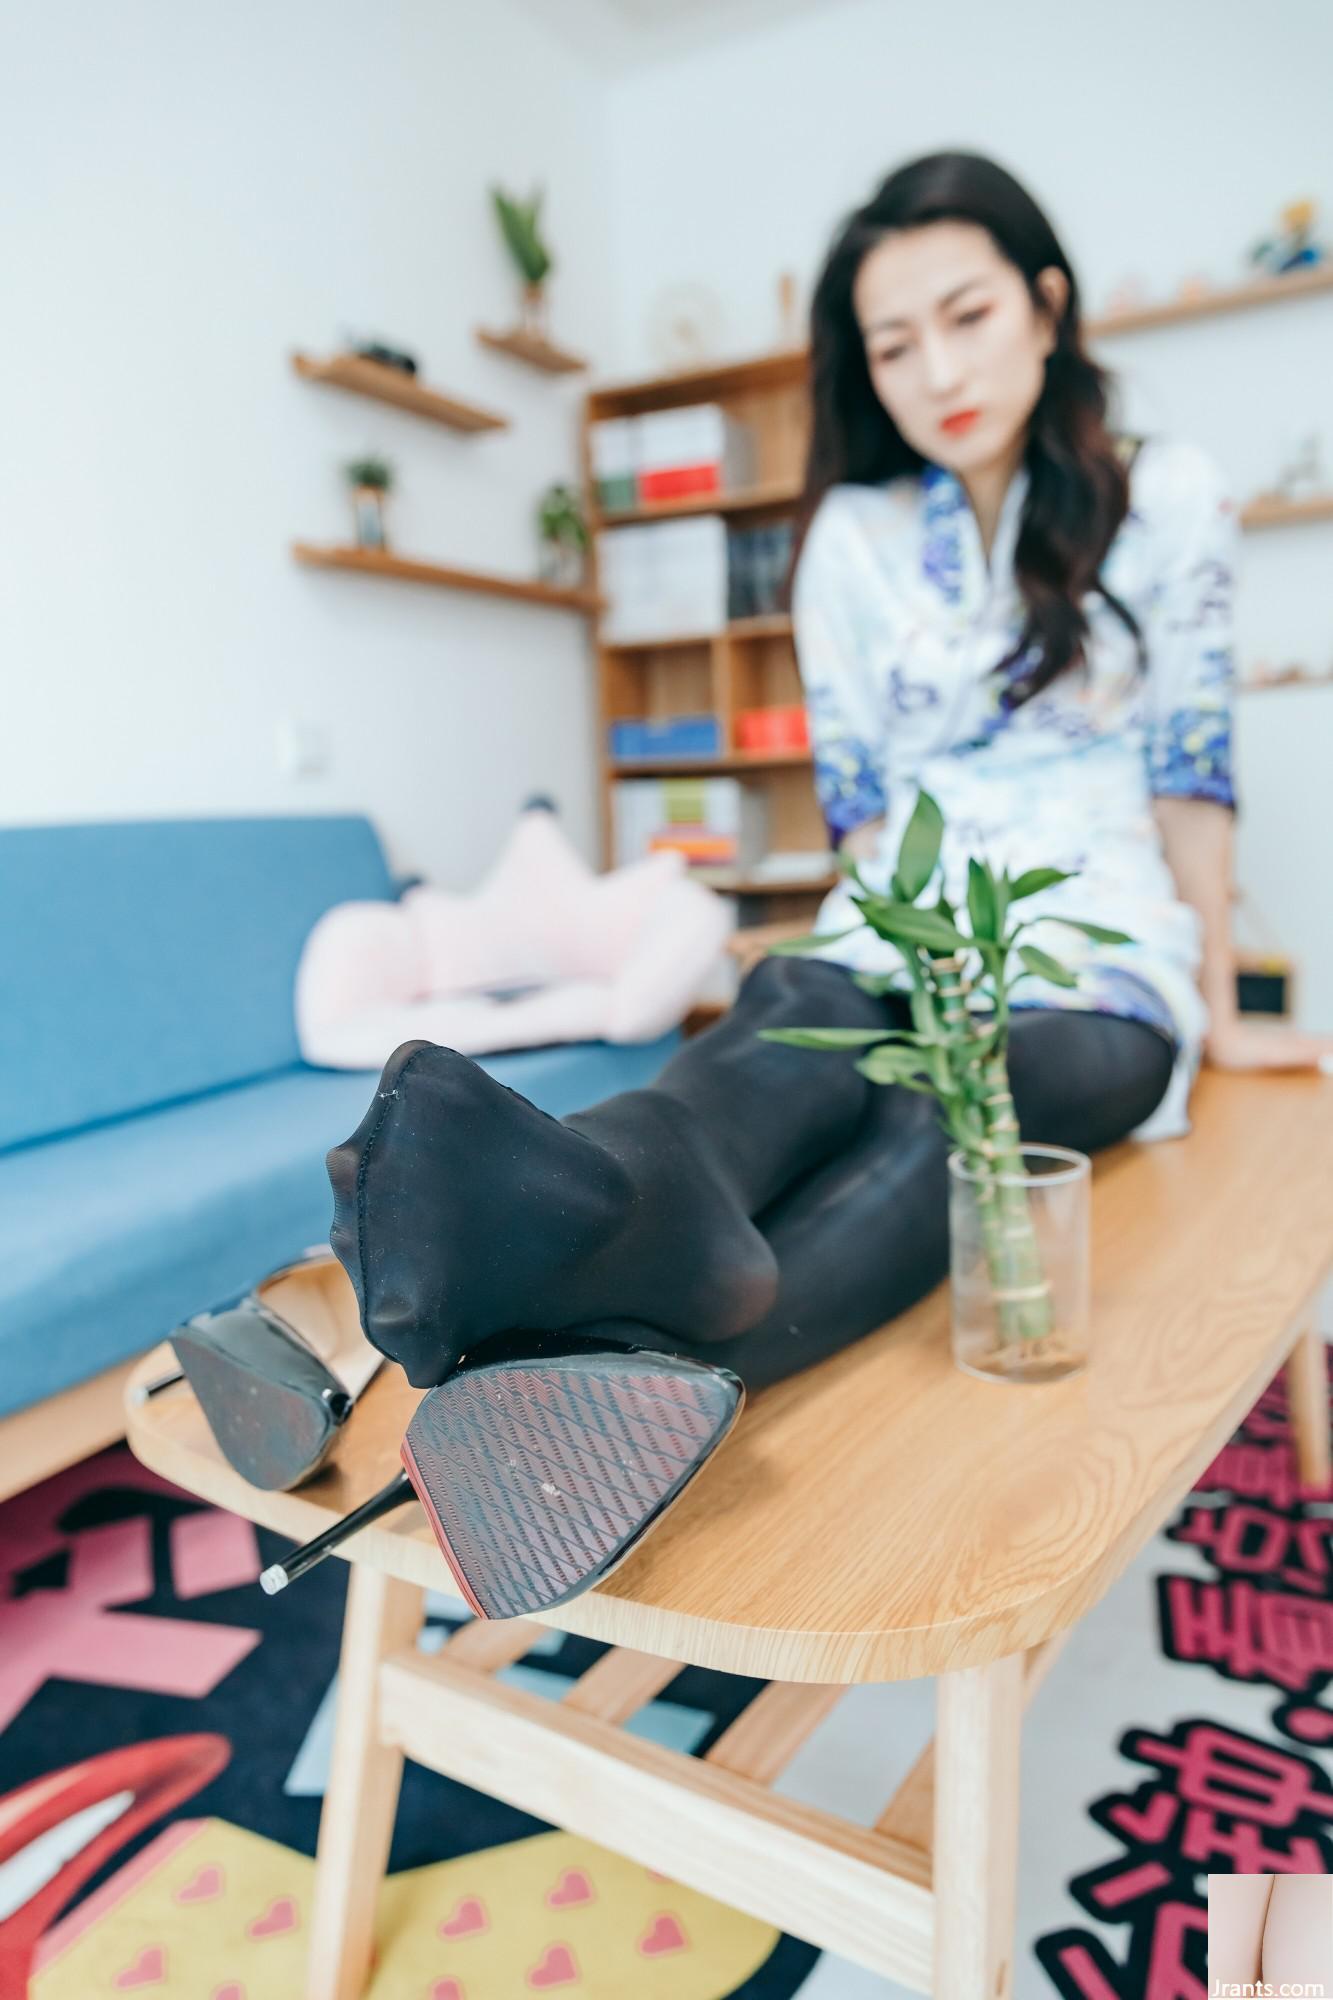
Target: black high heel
278,1374
543,1460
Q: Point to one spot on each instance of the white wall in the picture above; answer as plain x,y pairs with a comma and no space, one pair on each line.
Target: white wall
204,189
1162,140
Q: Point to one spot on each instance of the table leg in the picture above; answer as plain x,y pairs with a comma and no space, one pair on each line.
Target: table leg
1307,1397
383,1616
978,1729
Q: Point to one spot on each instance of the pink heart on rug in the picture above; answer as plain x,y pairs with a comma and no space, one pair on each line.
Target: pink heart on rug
573,1887
467,1917
557,1967
231,1991
656,1877
205,1885
665,1935
148,1969
447,1989
280,1916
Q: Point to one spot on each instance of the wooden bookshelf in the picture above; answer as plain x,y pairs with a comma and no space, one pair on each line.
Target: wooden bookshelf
390,385
751,662
407,569
534,349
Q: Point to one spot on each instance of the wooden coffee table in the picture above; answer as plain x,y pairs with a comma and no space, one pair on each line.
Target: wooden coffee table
878,1517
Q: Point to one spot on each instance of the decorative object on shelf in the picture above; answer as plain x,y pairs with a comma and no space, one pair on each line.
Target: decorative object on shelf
370,479
1291,248
387,357
684,326
674,736
791,326
1130,295
564,537
1018,1213
519,226
1302,475
784,726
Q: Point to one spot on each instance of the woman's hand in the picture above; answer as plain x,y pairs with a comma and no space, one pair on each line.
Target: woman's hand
1240,1044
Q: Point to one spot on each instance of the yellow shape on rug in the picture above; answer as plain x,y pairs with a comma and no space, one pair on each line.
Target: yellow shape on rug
224,1914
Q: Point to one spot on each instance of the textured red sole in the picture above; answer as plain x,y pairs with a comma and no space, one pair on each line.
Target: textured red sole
539,1477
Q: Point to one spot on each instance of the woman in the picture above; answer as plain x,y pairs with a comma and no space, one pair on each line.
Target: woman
986,605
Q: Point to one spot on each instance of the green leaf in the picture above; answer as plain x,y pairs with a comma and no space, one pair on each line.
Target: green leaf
981,900
920,849
904,923
895,1066
877,983
1097,931
827,1038
810,941
1002,895
1033,879
1045,966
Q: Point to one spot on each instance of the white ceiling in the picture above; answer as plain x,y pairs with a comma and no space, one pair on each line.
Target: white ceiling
622,34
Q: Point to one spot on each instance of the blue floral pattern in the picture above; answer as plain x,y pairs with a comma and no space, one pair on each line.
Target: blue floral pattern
1189,756
901,619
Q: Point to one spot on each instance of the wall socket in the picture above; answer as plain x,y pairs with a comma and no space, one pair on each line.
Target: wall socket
303,748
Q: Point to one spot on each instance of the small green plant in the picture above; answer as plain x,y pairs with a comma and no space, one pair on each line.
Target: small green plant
951,1051
518,224
373,472
560,518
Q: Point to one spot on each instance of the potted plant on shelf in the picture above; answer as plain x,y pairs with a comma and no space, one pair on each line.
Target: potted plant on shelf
370,479
1018,1211
563,534
518,224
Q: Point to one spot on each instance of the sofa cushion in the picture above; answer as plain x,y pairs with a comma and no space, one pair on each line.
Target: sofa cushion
117,1234
149,961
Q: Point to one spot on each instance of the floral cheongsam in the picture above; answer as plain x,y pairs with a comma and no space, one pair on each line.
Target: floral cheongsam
898,620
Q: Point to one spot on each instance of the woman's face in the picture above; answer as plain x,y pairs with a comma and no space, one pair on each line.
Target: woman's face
948,326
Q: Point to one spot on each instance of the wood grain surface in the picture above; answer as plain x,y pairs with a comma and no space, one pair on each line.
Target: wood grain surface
884,1515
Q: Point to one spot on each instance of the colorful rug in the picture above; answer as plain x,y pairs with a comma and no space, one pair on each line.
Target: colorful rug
165,1732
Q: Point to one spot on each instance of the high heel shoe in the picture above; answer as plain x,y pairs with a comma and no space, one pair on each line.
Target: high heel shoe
278,1374
544,1459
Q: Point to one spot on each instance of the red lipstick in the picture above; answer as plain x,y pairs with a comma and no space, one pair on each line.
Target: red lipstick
962,420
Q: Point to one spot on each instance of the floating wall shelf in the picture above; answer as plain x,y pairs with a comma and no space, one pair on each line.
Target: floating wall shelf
391,385
533,348
1258,292
376,562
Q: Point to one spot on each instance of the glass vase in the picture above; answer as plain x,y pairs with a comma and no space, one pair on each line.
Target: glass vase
1020,1265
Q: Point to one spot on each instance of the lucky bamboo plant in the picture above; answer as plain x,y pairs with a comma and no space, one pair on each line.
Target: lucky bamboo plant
950,1051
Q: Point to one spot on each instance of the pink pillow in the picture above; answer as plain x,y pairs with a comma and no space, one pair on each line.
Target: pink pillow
616,957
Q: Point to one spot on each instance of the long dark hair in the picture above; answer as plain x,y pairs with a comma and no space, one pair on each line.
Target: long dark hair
1078,491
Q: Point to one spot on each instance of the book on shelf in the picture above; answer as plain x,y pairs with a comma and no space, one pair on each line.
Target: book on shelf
670,455
661,578
713,822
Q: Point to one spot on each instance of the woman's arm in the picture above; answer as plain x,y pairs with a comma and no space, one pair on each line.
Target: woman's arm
1237,1906
1198,840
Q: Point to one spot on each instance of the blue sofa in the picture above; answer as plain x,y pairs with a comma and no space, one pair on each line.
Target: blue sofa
161,1142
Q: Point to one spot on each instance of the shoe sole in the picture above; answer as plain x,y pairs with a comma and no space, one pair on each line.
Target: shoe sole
540,1477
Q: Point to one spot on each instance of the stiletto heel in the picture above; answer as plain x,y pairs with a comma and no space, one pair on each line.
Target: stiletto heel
278,1374
278,1575
542,1461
